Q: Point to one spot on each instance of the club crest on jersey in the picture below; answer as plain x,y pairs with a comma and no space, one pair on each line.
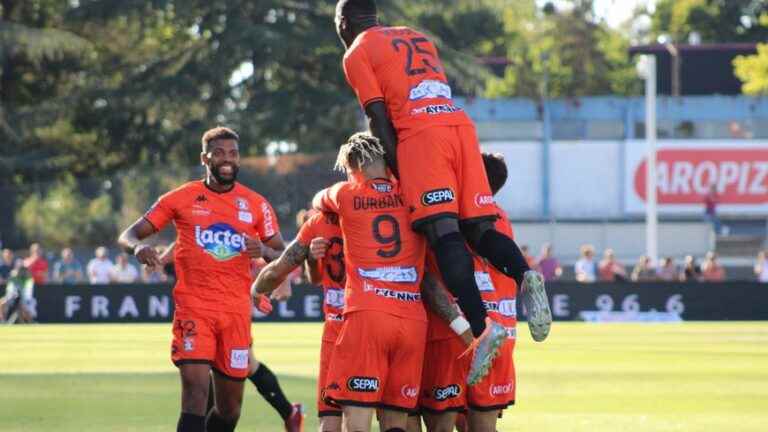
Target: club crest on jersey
242,203
382,187
220,240
437,196
430,89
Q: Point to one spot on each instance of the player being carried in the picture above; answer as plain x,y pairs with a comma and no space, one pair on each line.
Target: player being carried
377,358
432,145
220,225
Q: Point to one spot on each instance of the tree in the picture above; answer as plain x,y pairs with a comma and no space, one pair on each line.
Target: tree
581,55
713,20
753,71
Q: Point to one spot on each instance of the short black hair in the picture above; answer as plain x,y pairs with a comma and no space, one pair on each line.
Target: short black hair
356,8
217,133
496,170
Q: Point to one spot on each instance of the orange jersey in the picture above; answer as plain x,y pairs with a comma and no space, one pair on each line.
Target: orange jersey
326,225
384,258
212,268
401,67
499,292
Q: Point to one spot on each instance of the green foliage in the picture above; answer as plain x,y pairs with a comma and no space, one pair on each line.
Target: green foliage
580,55
753,71
714,20
64,217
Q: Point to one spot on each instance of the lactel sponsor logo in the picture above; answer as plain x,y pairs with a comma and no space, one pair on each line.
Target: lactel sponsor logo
430,89
390,274
220,240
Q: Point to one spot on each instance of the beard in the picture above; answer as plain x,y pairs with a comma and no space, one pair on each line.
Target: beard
224,181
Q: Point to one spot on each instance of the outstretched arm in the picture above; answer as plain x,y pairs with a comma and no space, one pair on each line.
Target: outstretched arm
435,297
382,128
276,271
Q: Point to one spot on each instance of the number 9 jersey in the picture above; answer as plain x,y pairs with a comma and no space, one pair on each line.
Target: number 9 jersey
401,67
383,256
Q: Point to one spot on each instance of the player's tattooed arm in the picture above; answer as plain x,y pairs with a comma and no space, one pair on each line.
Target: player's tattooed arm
273,248
436,299
382,128
276,271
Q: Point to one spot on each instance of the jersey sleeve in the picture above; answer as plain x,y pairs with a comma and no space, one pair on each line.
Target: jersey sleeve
360,76
308,230
162,211
329,199
266,225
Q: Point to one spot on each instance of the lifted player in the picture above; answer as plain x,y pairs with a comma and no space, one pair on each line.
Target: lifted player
401,84
221,225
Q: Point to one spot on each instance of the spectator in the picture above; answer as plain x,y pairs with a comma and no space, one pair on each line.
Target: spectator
99,268
761,267
527,254
155,274
548,265
644,271
37,264
6,265
123,271
668,270
710,209
19,293
691,270
585,268
68,270
610,269
711,270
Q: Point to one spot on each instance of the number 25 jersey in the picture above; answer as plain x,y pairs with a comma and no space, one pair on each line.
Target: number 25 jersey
401,67
383,256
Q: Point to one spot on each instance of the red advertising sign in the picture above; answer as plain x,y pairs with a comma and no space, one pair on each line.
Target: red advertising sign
685,175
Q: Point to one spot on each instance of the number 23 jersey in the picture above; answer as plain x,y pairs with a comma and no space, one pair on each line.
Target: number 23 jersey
212,266
383,256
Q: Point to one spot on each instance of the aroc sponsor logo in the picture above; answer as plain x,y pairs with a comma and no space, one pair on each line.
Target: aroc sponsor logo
684,176
437,196
501,389
363,384
448,392
382,187
483,200
409,392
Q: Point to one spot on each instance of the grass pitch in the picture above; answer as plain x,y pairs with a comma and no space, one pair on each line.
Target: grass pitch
585,377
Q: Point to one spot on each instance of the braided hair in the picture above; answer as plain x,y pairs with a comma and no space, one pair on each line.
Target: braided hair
360,150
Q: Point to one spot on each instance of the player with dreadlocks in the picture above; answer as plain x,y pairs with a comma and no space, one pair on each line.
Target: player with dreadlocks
377,360
432,145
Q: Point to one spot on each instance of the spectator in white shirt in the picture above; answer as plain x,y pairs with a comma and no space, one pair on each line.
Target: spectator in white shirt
100,267
586,268
761,267
123,271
